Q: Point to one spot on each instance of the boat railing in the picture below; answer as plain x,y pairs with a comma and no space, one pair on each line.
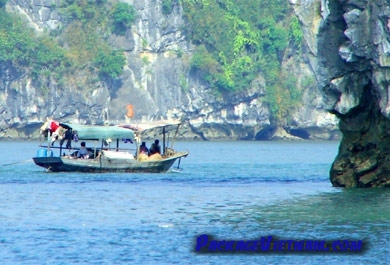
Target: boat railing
95,150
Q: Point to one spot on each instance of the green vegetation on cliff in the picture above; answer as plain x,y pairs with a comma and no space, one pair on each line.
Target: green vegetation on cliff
90,23
79,46
21,48
237,40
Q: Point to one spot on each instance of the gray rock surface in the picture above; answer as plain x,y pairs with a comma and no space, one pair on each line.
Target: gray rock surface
157,82
351,62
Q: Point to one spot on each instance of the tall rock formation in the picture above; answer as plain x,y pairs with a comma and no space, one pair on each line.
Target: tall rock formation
350,43
158,83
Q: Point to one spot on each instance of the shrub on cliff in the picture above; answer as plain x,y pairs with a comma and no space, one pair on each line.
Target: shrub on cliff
80,45
123,15
21,48
238,40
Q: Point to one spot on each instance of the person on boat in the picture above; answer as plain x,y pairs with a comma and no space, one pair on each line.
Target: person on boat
83,152
155,148
143,149
68,137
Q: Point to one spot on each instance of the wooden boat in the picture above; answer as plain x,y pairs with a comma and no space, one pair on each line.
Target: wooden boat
104,158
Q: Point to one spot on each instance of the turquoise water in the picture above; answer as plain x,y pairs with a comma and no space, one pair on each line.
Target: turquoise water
231,190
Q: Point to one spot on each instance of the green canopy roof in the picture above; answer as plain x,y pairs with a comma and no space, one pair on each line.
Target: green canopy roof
140,127
94,132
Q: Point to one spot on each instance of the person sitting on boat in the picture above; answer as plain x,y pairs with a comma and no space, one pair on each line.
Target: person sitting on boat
155,148
143,149
83,152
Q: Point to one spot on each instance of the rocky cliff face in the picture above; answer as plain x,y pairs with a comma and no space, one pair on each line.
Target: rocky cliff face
158,83
351,59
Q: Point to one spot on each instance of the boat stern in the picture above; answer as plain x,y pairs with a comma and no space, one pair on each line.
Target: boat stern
49,163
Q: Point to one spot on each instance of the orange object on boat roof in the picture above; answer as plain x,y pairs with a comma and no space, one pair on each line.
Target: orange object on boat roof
130,111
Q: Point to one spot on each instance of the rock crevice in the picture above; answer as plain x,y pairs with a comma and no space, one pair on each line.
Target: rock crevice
352,67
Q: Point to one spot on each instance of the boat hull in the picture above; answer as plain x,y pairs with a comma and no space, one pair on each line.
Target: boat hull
104,164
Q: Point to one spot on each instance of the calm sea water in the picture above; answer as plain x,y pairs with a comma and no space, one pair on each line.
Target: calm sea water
231,190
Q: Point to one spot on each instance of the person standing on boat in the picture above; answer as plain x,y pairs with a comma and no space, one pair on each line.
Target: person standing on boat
155,148
68,138
83,152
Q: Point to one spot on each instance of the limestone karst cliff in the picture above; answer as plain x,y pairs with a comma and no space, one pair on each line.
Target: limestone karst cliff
350,43
157,82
